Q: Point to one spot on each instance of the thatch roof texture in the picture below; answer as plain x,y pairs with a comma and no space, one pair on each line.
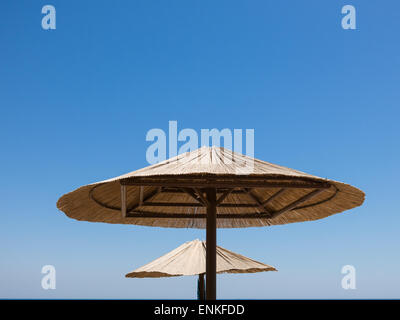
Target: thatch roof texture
190,259
169,194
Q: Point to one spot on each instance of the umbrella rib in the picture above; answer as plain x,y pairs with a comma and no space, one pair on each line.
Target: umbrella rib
223,196
193,194
123,201
276,194
297,202
264,210
142,199
202,197
141,194
152,215
196,205
336,190
220,190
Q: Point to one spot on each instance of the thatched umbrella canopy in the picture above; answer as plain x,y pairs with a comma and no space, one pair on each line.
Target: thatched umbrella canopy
208,188
190,259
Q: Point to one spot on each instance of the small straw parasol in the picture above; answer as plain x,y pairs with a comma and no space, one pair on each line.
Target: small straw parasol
208,188
190,259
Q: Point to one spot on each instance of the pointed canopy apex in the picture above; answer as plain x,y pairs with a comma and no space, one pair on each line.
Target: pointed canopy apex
213,161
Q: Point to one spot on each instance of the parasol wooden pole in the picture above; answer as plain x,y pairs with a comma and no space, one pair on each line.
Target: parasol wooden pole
201,286
211,244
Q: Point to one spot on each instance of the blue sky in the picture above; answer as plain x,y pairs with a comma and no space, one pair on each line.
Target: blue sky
76,104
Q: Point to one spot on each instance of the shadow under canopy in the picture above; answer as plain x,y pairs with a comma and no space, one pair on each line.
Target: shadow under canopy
210,188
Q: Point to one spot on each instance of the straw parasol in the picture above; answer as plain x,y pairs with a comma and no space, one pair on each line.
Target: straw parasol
208,188
190,259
